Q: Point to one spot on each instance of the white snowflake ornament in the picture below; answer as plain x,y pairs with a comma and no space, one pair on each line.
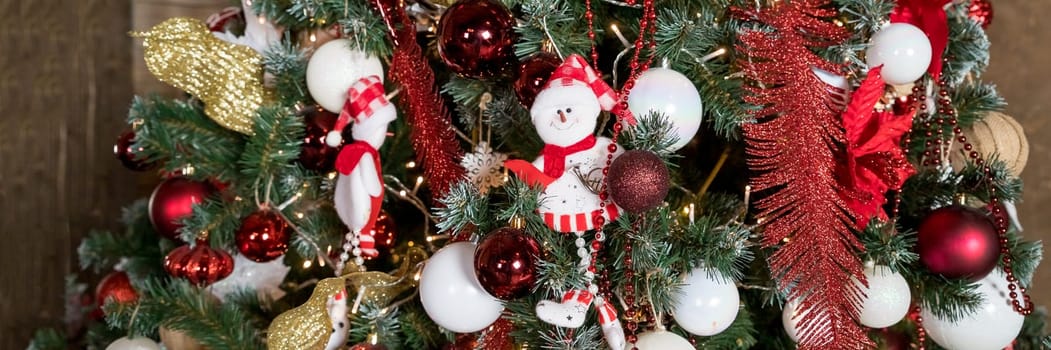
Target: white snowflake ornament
484,167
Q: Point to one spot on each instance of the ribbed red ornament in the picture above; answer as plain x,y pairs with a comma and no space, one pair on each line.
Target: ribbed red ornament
172,201
117,287
958,241
201,265
263,236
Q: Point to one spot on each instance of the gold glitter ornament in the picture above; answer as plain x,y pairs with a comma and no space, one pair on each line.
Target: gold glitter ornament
227,77
379,288
308,326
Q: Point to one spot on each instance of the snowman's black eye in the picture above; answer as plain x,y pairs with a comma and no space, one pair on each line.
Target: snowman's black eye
569,110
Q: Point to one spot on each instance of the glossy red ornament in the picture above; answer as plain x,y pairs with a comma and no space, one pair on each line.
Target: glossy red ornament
890,339
498,335
201,265
958,241
463,341
533,73
172,201
385,233
263,236
117,287
314,154
638,181
505,263
368,346
981,11
126,152
476,38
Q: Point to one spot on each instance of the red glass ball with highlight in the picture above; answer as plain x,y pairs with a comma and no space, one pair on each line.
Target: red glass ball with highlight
201,265
957,242
476,38
263,236
533,73
505,263
127,154
385,233
116,287
172,201
981,11
314,154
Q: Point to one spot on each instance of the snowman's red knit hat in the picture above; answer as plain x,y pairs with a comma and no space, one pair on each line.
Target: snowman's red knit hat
364,97
576,71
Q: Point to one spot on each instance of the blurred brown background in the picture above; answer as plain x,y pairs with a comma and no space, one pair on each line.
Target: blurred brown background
65,84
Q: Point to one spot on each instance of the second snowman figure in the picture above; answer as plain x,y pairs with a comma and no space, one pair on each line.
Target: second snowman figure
569,167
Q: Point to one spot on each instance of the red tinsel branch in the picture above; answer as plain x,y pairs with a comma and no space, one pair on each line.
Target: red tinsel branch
793,148
432,132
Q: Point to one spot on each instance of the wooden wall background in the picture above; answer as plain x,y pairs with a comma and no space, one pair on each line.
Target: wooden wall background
65,85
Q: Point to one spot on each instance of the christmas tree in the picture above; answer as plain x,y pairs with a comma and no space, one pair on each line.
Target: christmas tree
568,174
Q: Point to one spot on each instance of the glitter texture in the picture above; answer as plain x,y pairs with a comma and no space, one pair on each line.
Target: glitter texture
306,327
227,77
793,149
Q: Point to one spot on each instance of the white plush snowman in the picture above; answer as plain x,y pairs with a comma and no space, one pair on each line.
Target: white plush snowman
565,114
359,189
336,307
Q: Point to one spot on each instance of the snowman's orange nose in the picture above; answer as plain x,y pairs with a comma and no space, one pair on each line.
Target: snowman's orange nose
562,115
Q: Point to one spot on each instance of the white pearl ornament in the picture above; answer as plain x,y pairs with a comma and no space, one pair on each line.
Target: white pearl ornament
671,93
451,294
886,299
706,306
903,50
993,326
333,68
661,340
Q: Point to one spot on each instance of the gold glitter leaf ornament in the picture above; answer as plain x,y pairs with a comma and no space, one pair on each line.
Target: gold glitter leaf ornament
309,326
378,288
227,77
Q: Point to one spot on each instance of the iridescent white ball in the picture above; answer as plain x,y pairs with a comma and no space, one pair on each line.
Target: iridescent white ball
903,50
707,305
136,343
887,297
333,68
264,278
994,326
661,340
450,292
671,93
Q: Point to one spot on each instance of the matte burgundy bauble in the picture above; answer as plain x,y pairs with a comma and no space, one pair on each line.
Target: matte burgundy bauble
117,287
201,265
314,154
476,38
172,201
385,234
958,241
638,181
126,152
263,236
505,263
533,73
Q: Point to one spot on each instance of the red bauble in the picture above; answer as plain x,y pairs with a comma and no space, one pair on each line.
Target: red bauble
958,241
127,154
368,346
385,233
172,201
201,265
638,181
533,74
315,154
263,236
892,340
117,287
463,341
505,263
476,38
981,11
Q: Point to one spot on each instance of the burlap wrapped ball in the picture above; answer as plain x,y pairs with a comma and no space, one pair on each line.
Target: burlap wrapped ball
997,134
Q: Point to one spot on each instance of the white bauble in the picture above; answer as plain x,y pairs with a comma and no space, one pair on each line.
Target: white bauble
994,326
451,294
886,299
903,50
671,93
264,278
790,318
333,68
136,343
706,306
839,87
661,340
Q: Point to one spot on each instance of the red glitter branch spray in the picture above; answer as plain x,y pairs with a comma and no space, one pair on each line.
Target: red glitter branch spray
793,148
432,131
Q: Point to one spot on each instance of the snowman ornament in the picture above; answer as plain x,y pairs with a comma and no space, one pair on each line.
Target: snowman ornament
336,306
569,171
359,189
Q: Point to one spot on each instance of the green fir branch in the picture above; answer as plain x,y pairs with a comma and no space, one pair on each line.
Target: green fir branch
557,22
274,145
288,65
1025,257
741,334
179,135
48,339
888,247
464,205
949,299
